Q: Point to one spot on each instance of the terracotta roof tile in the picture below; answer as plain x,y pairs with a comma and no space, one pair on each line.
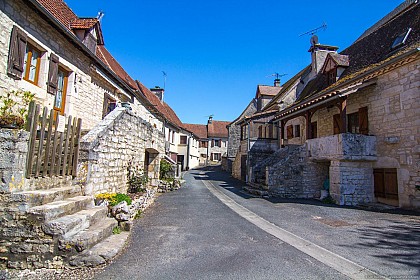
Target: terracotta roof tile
103,54
200,130
60,10
83,23
267,90
217,129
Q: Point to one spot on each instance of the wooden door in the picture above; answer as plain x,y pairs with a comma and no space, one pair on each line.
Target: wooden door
386,183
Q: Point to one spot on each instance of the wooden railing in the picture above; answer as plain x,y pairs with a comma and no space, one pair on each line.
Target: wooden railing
53,143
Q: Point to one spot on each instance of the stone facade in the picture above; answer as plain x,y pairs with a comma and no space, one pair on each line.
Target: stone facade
122,138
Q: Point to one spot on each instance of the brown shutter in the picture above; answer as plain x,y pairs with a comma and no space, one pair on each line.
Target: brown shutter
17,50
270,131
212,143
337,123
260,131
289,131
53,74
363,121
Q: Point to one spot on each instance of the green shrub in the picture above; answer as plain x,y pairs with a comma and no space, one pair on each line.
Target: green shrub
165,169
136,179
116,230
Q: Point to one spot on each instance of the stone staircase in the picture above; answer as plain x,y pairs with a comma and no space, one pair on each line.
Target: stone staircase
77,232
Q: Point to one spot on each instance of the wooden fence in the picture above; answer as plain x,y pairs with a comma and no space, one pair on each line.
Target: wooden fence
53,146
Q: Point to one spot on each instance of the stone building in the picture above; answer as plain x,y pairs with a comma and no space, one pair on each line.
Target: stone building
352,119
51,220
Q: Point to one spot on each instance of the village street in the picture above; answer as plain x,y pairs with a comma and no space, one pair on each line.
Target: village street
210,229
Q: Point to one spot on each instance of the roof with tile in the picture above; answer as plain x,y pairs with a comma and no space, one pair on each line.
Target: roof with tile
60,10
217,129
200,130
161,107
83,23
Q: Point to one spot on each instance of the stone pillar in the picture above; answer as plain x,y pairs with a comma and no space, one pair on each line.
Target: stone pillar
13,153
351,182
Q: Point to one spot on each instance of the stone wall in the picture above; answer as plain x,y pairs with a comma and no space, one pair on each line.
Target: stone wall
106,151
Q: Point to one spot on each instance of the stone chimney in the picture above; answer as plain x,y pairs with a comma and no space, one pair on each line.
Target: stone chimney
318,53
210,121
158,91
277,82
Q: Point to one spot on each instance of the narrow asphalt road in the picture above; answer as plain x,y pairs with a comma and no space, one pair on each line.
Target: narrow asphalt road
209,229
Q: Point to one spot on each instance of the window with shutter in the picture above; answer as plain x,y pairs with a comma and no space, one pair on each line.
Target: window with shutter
32,62
353,123
270,131
53,74
60,96
314,130
363,121
337,123
289,131
260,131
183,140
297,130
212,143
17,47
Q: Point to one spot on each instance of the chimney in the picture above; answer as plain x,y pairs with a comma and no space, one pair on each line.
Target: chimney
318,53
277,82
158,92
210,120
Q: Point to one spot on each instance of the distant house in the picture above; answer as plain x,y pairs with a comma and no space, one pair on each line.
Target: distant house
352,118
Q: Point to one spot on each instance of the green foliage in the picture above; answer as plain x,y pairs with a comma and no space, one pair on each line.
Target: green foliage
116,230
137,179
138,214
165,169
114,198
14,109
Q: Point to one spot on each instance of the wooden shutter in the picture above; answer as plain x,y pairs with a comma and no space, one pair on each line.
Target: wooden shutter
363,121
260,131
53,74
17,50
270,131
212,142
337,123
289,131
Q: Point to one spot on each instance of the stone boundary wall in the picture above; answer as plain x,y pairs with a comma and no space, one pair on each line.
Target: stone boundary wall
107,150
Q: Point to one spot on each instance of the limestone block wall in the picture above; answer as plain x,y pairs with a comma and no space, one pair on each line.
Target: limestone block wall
105,152
351,182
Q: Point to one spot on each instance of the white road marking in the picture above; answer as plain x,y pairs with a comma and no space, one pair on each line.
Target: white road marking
337,262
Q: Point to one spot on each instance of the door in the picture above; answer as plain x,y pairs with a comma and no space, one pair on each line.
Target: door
386,183
243,167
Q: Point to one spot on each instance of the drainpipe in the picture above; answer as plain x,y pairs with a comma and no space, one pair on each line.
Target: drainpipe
188,153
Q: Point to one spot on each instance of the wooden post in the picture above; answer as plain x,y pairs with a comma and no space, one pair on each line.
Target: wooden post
47,146
32,140
308,117
343,115
76,152
41,142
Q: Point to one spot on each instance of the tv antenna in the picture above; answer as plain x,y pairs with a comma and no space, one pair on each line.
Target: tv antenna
277,75
313,31
164,79
209,116
100,15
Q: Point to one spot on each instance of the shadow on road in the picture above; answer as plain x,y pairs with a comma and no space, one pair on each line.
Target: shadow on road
226,181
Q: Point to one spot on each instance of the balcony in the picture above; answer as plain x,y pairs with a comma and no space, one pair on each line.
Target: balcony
345,146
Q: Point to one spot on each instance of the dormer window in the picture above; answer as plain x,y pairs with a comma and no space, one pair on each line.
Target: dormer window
334,66
400,40
332,76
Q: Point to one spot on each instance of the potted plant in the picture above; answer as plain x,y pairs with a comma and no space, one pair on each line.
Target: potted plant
12,112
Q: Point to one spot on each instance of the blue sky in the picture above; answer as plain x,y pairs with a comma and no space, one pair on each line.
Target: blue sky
215,53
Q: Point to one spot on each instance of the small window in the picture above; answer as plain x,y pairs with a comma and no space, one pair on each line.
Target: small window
109,105
400,40
332,76
216,156
217,143
31,64
203,144
183,140
297,130
353,123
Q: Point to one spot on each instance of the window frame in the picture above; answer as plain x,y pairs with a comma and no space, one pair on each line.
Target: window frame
30,49
181,138
64,91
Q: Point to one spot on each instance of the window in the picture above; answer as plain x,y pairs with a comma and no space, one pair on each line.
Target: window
203,144
332,76
60,96
217,143
297,130
353,123
314,130
31,64
216,156
183,140
400,40
109,105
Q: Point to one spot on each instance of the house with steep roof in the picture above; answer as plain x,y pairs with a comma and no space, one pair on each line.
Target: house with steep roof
357,111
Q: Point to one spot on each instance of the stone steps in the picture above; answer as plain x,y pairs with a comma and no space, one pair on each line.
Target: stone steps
56,209
26,199
71,224
87,238
101,252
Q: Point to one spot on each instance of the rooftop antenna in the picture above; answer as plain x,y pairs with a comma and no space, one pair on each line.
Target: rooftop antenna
277,75
314,38
164,79
100,15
